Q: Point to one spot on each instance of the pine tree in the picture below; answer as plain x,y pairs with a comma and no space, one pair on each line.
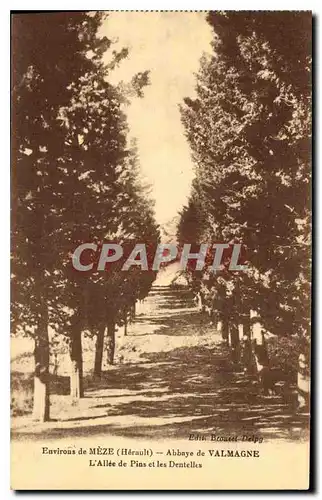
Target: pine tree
70,165
249,130
43,71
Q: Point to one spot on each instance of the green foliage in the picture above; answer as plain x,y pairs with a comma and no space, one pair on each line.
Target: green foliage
249,132
75,177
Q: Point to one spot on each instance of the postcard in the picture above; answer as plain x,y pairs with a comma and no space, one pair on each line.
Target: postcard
161,250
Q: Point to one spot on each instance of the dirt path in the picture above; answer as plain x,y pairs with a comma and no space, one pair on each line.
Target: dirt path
174,377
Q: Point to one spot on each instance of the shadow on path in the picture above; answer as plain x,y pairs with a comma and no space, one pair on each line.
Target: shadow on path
187,390
175,392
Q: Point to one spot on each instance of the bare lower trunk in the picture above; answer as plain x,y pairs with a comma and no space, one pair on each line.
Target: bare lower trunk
198,301
246,326
110,341
303,382
256,327
125,322
234,342
247,358
99,351
41,405
225,330
132,312
76,356
263,366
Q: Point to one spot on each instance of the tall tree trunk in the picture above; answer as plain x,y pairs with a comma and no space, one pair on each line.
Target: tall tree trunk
76,356
303,381
256,327
110,341
234,342
198,300
99,350
41,405
225,330
246,325
125,322
132,311
247,357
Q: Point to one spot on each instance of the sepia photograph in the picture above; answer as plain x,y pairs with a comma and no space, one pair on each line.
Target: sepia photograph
161,250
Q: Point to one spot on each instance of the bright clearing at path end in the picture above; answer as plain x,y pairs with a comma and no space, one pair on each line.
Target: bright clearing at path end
169,45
